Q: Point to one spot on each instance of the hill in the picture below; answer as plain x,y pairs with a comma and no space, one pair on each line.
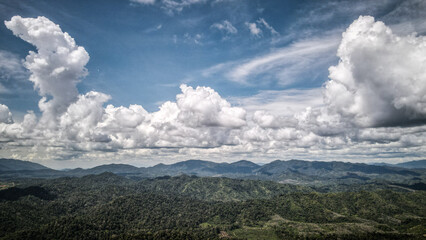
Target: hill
413,164
18,165
303,171
113,168
202,168
218,188
108,206
327,176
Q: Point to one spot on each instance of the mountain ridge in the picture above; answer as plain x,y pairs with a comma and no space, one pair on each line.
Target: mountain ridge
7,164
28,165
290,171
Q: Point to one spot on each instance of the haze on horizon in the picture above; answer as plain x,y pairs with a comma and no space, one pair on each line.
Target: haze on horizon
142,82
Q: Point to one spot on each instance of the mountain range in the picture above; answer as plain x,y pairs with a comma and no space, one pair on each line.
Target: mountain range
292,199
291,171
410,164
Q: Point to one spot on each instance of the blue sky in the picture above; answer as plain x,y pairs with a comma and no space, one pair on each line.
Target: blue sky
264,56
141,53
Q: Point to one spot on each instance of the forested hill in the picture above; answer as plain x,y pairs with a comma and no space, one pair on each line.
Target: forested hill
17,165
108,206
292,171
412,164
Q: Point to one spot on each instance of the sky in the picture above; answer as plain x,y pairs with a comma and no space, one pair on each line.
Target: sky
142,82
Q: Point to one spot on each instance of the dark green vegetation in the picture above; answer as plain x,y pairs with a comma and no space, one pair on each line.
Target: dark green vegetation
242,200
108,206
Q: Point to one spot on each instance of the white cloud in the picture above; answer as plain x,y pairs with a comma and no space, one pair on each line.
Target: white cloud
204,107
5,115
154,29
196,38
267,26
172,6
381,77
408,16
147,2
285,64
200,123
225,26
79,122
198,118
57,66
281,102
254,30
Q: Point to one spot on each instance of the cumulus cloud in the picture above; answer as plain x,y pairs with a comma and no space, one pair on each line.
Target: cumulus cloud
5,115
381,77
200,117
204,107
56,67
377,84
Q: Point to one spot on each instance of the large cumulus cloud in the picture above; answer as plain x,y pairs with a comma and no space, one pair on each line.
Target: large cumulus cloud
378,83
198,118
56,67
375,93
381,77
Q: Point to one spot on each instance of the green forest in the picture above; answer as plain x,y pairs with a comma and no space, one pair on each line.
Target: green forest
108,206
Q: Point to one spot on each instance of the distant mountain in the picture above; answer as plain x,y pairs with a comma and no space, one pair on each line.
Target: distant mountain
291,171
317,168
413,164
113,168
18,165
203,168
314,170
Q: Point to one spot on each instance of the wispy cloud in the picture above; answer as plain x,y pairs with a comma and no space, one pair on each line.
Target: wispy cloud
10,66
225,26
283,65
254,30
195,38
12,72
154,29
281,102
172,6
407,17
144,1
267,26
